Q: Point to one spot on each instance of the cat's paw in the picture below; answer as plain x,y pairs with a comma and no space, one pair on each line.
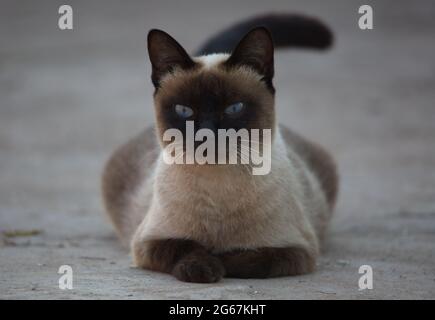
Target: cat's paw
200,268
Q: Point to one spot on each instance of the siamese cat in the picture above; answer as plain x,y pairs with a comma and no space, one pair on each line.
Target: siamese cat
204,222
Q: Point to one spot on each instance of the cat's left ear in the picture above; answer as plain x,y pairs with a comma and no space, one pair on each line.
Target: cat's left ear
165,54
255,50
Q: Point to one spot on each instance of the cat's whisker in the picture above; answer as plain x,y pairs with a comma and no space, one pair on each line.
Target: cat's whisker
251,141
179,156
251,150
249,170
246,155
245,165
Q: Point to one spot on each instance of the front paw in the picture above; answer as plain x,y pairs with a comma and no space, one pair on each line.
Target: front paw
199,267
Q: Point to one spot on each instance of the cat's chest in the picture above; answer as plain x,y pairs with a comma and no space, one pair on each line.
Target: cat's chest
214,194
227,210
216,218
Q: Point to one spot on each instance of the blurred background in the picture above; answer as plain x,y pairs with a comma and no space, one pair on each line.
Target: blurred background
69,97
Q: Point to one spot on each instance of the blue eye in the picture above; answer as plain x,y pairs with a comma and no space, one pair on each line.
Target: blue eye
183,111
234,108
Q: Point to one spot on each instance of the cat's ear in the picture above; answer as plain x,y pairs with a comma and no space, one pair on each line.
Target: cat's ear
165,54
255,50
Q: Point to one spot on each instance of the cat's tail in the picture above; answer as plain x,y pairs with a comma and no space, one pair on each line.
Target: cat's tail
288,30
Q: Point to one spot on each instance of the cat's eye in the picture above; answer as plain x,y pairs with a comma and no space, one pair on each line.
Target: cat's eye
234,108
183,111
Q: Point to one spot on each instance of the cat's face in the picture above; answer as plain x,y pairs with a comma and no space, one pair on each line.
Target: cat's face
217,91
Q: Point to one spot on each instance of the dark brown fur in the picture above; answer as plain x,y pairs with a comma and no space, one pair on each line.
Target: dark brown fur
287,29
208,94
187,260
268,262
246,76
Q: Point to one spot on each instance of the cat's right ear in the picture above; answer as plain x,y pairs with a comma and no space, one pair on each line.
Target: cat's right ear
165,54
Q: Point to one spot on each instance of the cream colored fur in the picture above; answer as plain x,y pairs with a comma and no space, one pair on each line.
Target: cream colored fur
225,207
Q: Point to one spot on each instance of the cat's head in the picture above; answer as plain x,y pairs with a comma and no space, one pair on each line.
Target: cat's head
218,91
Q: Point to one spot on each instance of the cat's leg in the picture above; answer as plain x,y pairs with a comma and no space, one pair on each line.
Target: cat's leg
186,260
268,262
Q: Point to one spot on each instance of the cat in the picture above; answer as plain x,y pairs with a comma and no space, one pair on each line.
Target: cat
201,223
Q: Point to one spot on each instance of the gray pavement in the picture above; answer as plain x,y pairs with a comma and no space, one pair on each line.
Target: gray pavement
67,98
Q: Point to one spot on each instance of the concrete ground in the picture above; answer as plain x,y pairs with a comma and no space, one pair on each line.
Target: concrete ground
67,98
